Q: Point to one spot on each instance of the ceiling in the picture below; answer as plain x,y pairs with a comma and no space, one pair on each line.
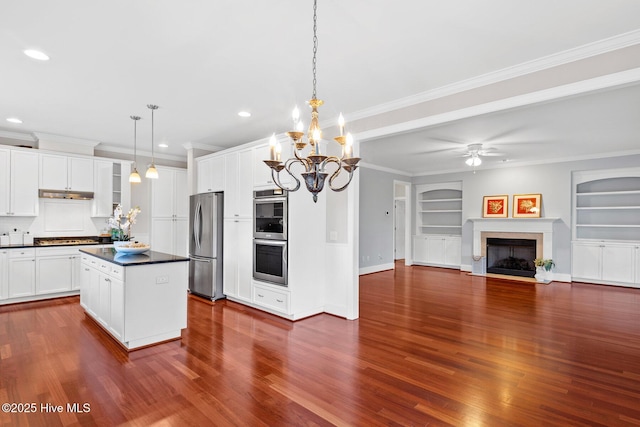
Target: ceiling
204,61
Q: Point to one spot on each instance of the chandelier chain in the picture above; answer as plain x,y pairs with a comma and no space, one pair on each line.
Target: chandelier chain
315,45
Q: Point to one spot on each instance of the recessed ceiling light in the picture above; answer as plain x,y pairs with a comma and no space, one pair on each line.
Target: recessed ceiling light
244,114
163,145
36,54
14,120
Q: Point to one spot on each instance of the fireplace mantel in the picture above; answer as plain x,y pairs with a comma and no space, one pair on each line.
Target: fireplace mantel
514,225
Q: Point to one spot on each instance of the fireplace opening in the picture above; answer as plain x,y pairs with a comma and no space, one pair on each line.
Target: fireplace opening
513,257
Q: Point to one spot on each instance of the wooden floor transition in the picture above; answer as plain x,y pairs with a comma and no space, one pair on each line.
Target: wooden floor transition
431,347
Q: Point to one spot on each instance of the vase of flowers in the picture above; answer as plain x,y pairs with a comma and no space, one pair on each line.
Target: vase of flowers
121,225
543,267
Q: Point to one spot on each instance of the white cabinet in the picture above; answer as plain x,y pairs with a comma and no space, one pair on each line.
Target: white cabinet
604,262
170,235
103,189
66,173
116,308
54,274
4,278
238,256
210,173
22,272
443,251
271,298
18,183
636,265
238,192
57,269
262,177
169,210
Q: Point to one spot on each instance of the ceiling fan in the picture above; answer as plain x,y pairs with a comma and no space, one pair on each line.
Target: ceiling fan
476,151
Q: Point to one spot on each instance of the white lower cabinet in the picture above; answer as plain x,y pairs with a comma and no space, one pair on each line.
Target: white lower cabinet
238,255
438,250
271,298
4,279
22,272
606,262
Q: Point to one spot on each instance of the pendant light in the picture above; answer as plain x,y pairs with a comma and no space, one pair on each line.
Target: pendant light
135,176
152,172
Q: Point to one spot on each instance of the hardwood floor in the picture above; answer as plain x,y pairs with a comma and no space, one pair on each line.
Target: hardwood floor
432,347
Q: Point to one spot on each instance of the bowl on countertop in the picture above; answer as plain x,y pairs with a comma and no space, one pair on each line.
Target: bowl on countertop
131,250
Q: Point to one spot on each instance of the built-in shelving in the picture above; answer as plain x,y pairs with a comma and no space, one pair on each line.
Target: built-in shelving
607,205
117,184
439,208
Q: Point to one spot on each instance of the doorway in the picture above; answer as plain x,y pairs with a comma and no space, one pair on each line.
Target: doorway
402,221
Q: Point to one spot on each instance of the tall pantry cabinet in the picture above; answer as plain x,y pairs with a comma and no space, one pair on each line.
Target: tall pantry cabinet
170,211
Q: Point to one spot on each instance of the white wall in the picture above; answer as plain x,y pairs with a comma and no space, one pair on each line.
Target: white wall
376,219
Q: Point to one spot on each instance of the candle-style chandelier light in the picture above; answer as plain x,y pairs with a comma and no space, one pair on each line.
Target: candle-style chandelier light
314,162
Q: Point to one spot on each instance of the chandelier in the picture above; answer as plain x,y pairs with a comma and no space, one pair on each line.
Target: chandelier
315,163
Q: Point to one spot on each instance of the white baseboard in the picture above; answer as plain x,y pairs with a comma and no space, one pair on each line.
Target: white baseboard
466,267
376,268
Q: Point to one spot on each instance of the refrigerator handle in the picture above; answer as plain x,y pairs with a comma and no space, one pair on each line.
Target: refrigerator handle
208,261
196,225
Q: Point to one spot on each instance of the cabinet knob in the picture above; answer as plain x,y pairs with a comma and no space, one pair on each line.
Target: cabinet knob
260,296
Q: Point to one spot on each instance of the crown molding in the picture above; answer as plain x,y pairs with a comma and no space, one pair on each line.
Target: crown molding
195,145
518,164
571,55
65,139
121,150
384,169
20,136
571,89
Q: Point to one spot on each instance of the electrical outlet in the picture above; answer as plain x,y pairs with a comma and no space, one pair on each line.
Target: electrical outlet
333,236
162,279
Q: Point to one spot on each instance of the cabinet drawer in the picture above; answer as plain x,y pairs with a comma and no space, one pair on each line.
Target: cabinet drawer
271,298
104,266
22,253
56,251
116,271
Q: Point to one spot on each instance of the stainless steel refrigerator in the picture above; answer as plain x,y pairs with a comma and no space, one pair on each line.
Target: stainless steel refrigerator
205,245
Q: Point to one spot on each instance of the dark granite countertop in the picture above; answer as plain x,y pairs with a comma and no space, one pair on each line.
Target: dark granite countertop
23,246
126,260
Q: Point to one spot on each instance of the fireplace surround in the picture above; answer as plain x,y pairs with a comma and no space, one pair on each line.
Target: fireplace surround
538,229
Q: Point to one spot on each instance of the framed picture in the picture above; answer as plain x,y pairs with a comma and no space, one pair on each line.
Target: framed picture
495,206
527,205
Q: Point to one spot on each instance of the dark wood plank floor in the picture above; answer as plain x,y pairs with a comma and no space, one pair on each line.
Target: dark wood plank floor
432,347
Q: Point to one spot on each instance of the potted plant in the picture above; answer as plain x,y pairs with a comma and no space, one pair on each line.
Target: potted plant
543,266
121,232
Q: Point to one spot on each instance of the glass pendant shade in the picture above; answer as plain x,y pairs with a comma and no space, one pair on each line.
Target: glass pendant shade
152,172
134,178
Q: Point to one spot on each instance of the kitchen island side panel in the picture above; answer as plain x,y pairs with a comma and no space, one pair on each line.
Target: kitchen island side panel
155,299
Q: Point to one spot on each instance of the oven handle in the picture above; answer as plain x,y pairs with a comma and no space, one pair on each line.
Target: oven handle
270,242
264,200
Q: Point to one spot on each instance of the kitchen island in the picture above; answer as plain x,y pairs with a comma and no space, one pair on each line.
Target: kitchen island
140,300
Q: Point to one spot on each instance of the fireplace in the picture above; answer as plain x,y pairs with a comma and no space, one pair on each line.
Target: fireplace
538,229
513,257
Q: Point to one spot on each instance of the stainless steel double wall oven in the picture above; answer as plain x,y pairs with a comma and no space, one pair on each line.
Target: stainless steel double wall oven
270,236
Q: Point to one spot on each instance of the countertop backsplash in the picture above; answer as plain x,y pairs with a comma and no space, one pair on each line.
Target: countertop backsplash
57,218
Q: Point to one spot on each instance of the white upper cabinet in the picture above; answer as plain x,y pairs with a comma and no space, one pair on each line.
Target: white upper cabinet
210,174
66,173
238,192
169,198
18,183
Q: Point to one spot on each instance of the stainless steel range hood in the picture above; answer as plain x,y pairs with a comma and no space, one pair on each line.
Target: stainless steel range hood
65,194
